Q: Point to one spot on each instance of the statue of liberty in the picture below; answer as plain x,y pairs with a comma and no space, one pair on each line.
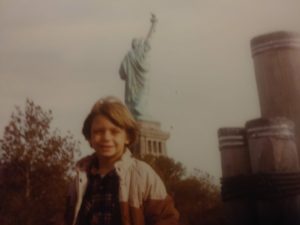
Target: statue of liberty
133,71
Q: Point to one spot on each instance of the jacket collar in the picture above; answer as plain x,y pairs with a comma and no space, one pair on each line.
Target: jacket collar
121,165
125,162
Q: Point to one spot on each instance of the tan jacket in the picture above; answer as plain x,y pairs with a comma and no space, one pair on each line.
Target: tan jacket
142,194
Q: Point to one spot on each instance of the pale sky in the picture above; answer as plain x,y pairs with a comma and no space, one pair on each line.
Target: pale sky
65,54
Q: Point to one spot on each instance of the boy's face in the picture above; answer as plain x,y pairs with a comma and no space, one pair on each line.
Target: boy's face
107,139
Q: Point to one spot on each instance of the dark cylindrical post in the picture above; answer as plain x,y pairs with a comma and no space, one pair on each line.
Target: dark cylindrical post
273,154
234,152
276,58
235,162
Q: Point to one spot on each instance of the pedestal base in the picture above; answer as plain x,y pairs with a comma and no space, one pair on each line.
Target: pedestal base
151,140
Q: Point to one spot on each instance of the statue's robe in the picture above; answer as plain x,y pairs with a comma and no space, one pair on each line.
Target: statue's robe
133,71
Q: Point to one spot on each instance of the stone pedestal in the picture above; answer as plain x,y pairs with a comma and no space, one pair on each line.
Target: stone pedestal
151,140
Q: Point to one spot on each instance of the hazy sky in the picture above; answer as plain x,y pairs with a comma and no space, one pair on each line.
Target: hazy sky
65,54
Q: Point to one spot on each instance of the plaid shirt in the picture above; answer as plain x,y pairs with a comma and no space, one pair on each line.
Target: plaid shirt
101,203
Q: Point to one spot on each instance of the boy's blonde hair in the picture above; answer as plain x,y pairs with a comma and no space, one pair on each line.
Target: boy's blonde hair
117,113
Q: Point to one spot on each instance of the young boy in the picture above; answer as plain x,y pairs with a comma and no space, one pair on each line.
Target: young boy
111,187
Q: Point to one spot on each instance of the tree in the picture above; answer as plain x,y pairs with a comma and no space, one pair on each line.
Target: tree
196,197
198,200
171,172
36,162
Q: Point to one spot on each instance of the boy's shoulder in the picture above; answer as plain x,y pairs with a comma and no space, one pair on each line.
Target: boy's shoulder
141,164
143,168
128,161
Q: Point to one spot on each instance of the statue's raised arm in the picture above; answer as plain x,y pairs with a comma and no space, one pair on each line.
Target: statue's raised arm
153,21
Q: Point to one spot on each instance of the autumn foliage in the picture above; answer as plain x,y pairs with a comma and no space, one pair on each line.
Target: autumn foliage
35,168
195,195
